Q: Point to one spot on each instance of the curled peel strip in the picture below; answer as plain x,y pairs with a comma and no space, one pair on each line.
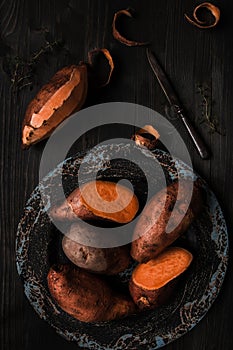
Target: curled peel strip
129,13
108,56
214,10
146,136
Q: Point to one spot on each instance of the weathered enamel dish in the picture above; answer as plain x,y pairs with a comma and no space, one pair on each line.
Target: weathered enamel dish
38,245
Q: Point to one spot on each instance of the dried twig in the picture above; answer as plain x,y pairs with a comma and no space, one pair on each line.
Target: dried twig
20,70
212,123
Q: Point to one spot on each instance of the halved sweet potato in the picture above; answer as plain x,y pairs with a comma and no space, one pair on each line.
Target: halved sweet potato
95,200
64,94
109,261
152,283
85,296
160,212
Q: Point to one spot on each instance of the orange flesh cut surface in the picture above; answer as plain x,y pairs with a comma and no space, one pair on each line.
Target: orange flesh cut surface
56,100
158,272
110,200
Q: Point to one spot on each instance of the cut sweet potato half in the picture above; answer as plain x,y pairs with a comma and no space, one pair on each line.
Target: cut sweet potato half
153,282
63,95
98,200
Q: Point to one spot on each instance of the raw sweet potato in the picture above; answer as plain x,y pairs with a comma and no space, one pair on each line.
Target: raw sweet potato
109,261
152,283
152,225
92,202
64,94
85,296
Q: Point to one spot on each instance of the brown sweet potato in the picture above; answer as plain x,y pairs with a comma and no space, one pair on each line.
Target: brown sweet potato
151,227
152,283
64,94
109,261
124,204
85,296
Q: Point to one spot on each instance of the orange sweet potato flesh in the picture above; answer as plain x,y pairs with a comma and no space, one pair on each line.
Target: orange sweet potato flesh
86,297
84,202
152,224
152,283
63,95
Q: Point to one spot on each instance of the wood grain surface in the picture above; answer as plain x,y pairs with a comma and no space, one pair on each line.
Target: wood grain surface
192,58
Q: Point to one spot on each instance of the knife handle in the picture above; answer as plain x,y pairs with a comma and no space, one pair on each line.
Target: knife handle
199,144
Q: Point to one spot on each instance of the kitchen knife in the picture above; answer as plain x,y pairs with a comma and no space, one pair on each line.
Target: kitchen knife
175,104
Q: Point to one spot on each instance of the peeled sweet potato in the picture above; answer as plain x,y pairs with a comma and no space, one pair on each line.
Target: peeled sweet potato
152,283
109,261
84,203
151,227
63,95
85,296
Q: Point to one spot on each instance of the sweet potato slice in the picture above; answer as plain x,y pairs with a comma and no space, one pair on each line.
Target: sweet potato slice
152,283
152,225
64,94
85,296
98,200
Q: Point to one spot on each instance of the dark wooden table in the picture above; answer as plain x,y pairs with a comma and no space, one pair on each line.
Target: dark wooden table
194,59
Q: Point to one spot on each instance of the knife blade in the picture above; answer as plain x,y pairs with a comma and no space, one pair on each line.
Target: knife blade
175,104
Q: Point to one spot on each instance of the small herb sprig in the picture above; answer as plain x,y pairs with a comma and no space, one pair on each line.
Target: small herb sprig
211,122
21,70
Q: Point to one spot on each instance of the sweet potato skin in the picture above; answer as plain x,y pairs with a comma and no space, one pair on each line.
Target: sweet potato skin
71,209
153,238
151,299
75,206
85,296
122,306
66,105
109,261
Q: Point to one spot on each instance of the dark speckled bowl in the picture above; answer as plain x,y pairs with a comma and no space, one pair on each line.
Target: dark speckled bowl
38,246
